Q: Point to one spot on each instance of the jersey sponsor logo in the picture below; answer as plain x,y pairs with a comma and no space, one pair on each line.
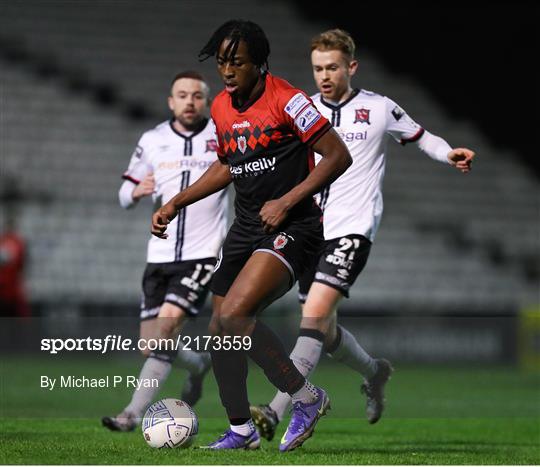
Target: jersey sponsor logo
352,136
242,145
362,116
281,240
244,124
307,118
398,112
253,168
211,145
184,164
296,104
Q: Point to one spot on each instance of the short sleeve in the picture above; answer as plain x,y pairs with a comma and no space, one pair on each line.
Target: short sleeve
399,125
139,165
219,147
301,115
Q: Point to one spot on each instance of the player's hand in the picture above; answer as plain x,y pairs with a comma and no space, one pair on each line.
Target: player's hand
161,218
461,159
272,214
145,188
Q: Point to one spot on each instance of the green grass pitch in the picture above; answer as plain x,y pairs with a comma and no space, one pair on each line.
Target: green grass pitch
435,415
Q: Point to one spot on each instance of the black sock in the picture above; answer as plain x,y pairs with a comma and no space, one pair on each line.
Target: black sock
268,352
230,370
238,421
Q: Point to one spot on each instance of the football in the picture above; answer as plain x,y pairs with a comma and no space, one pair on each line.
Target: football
169,423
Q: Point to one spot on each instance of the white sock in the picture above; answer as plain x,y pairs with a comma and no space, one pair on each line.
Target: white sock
194,362
351,353
306,394
144,396
246,429
305,356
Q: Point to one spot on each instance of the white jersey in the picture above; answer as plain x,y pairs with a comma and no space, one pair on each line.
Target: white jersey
353,204
177,160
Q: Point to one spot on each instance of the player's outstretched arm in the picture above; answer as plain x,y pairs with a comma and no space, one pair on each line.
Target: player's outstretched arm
335,160
461,159
438,149
214,179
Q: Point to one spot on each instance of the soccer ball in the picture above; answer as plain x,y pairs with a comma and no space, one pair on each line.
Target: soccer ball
169,423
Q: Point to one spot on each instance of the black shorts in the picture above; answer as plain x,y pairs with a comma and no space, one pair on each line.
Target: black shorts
184,284
341,260
295,245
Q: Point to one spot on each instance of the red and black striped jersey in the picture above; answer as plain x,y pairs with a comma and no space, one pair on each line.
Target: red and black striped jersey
267,145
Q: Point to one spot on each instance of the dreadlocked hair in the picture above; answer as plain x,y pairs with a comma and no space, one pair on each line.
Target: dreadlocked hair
237,30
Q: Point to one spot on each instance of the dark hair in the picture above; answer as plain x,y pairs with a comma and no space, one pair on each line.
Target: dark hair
237,30
188,74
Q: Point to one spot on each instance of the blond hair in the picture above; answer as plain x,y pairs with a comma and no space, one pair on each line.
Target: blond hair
335,39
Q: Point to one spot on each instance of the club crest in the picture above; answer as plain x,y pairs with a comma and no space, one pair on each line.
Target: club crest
242,145
280,241
362,116
211,145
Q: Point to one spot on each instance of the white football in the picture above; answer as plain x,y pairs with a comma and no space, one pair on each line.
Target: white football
169,423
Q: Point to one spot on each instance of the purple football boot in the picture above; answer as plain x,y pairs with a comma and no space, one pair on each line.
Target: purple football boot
232,440
303,421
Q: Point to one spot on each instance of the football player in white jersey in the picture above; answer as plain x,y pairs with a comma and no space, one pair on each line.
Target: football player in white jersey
352,207
176,281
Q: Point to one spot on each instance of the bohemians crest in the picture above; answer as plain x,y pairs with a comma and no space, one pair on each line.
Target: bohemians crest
242,145
281,240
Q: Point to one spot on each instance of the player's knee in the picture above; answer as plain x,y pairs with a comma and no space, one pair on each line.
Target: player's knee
168,327
233,317
228,323
145,352
214,327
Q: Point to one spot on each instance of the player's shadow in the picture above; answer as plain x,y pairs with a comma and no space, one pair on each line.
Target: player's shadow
489,444
410,450
388,452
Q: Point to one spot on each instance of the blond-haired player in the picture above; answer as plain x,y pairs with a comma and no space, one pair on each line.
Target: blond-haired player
352,207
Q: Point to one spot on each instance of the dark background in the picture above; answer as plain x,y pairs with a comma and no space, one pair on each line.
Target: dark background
478,60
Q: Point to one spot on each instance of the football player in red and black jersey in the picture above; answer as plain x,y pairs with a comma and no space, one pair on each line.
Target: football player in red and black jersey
267,133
